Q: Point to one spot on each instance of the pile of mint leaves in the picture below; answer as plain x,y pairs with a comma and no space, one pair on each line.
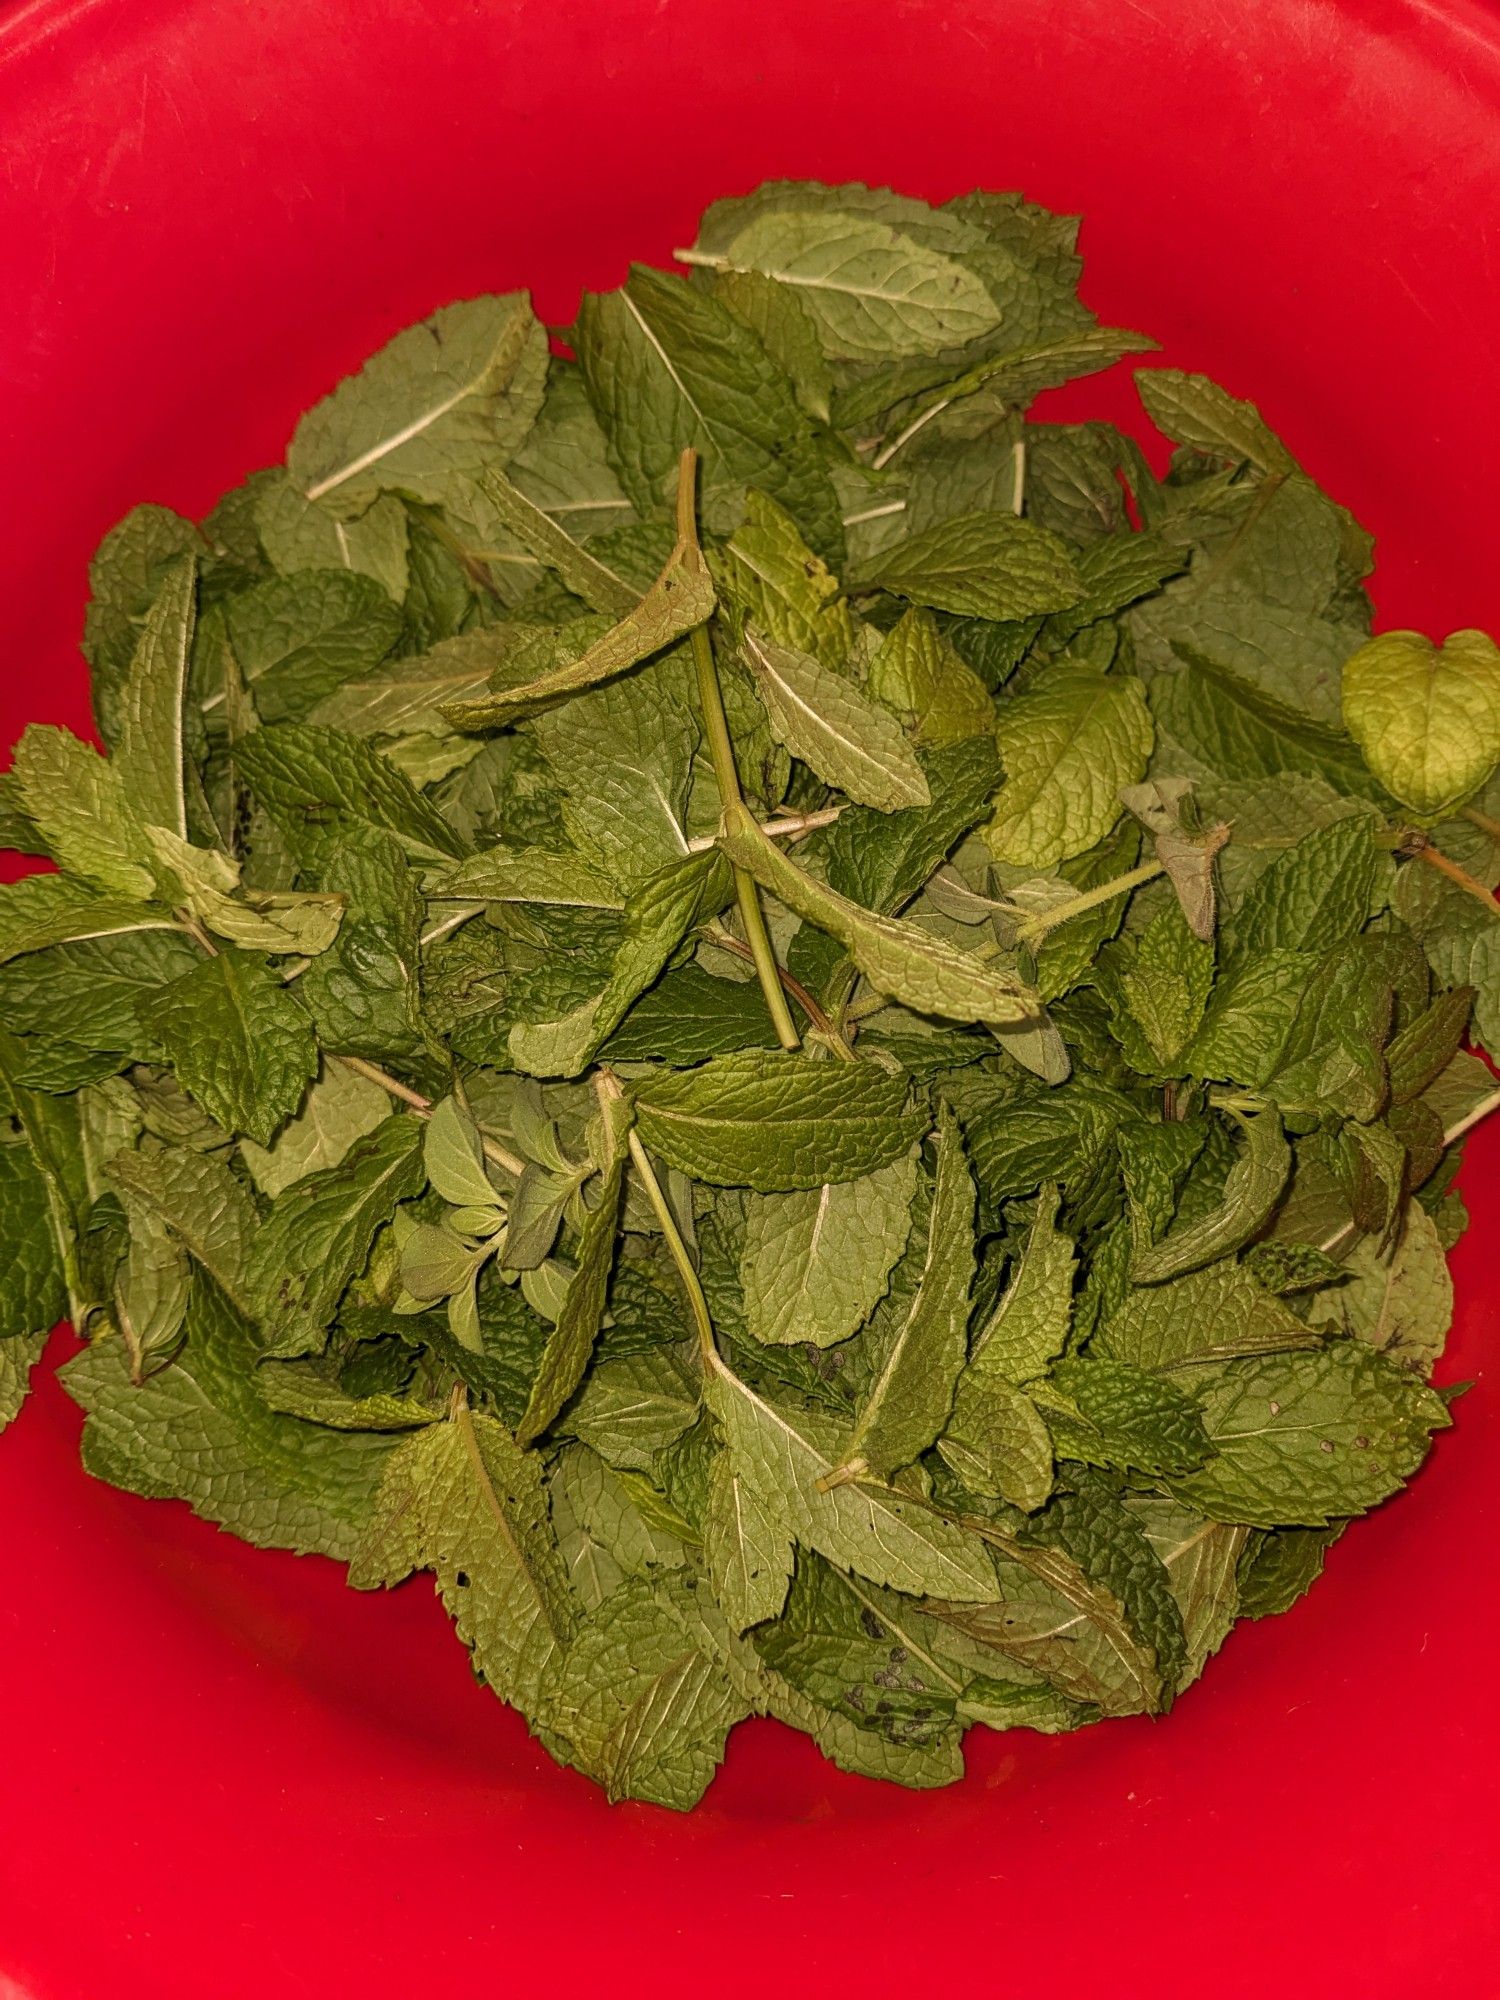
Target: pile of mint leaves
808,1036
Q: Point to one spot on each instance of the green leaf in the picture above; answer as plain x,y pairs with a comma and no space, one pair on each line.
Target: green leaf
658,913
1193,410
1400,1300
881,860
460,1499
322,786
749,1556
1249,1016
783,1452
1280,1567
429,411
296,640
632,1408
785,329
1214,1314
1422,1050
911,965
151,1289
848,740
666,366
688,1016
18,1357
772,1121
239,1042
1158,990
621,756
769,577
912,1395
298,534
565,1358
453,1156
363,993
997,1443
1250,1193
1315,895
1302,1439
871,291
77,800
536,530
1029,1327
33,1295
816,1263
1426,717
340,1107
45,910
407,697
1202,1560
680,600
124,577
528,875
198,1430
150,746
209,885
937,694
205,1207
1232,727
1136,1420
1068,744
318,1233
644,1704
985,565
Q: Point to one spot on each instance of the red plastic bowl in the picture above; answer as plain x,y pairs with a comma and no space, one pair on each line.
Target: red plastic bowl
222,1774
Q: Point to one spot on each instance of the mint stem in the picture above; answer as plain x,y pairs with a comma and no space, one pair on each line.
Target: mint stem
1030,929
721,751
692,1284
1435,858
492,1148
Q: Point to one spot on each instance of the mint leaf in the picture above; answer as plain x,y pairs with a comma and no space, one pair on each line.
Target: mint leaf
816,1263
665,367
1426,717
776,1121
1301,1439
985,565
912,1394
1255,1181
459,1498
824,719
319,1231
431,409
239,1042
198,1430
1069,744
321,785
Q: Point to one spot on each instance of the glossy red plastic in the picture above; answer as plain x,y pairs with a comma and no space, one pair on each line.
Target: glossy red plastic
224,1775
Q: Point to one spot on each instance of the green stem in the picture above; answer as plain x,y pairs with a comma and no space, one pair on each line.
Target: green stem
1482,821
1470,1119
1435,858
691,1283
189,923
1030,929
491,1147
727,941
721,752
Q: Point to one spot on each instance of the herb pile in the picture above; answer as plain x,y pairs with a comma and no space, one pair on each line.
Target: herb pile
806,1035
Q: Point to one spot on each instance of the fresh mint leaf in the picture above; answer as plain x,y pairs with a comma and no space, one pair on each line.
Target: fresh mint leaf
806,1035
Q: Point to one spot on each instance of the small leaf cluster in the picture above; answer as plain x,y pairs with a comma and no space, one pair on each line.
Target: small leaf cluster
804,1031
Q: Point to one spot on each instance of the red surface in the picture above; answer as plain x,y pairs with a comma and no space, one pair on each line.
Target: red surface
223,1775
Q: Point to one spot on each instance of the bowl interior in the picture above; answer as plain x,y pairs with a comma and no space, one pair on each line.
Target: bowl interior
224,1769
